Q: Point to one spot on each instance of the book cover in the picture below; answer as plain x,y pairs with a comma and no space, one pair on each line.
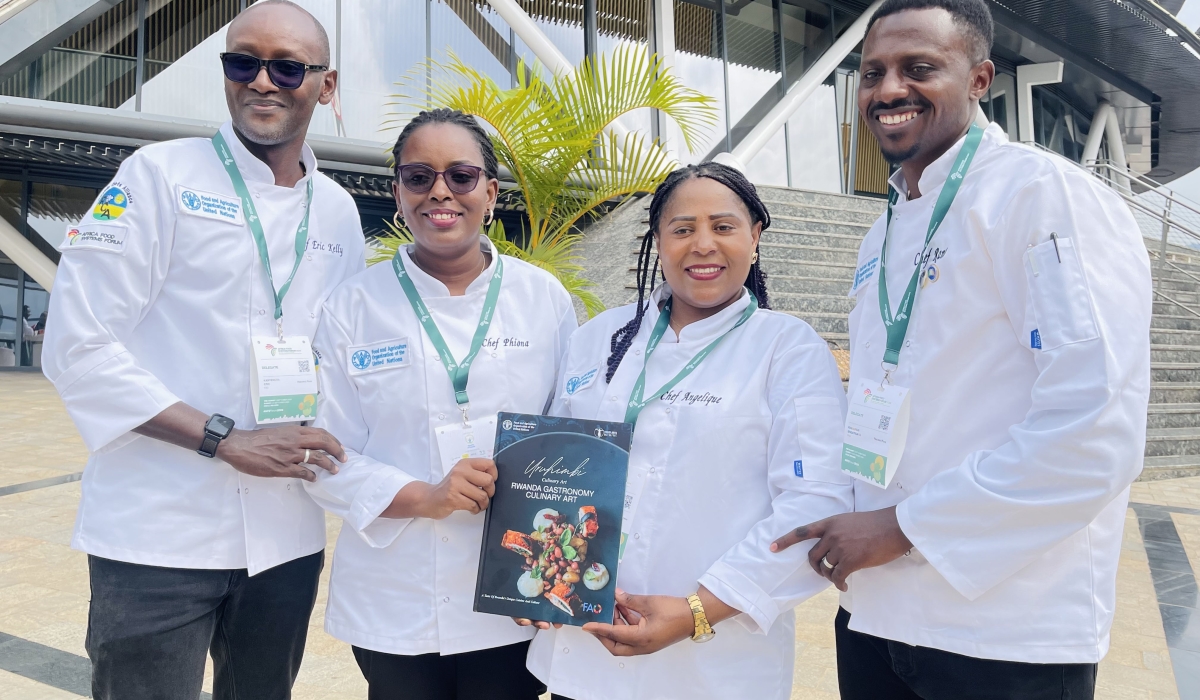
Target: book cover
552,533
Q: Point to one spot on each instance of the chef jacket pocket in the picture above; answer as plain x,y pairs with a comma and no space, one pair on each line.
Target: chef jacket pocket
1062,303
819,424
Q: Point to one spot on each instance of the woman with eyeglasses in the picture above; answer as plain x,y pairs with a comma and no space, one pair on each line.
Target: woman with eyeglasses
737,414
417,357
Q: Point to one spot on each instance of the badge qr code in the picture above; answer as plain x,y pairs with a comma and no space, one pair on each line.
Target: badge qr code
303,365
885,422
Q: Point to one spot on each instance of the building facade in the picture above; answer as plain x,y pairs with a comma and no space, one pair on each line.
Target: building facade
83,83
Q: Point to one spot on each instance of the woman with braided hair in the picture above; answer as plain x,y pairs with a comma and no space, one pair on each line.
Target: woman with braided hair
404,570
738,414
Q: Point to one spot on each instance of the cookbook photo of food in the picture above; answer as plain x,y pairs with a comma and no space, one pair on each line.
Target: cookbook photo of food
552,535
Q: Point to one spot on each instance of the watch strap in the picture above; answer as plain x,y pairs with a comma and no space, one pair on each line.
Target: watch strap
698,617
208,448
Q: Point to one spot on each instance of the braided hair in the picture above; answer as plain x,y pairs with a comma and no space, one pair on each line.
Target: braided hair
756,281
445,115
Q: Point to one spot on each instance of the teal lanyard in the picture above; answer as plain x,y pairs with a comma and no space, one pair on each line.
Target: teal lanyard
458,371
636,402
256,229
897,326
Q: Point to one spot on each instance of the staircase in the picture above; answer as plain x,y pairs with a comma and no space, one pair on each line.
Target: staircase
810,254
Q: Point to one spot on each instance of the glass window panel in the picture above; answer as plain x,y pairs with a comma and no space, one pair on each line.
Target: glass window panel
52,209
813,139
9,313
698,65
769,166
33,323
95,65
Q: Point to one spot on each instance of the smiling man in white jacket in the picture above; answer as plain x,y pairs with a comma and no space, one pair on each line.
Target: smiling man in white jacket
982,559
188,261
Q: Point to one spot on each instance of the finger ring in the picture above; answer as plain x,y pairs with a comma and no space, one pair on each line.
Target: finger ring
826,564
307,454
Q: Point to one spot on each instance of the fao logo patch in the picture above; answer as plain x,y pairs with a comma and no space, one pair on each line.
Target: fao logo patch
361,359
190,199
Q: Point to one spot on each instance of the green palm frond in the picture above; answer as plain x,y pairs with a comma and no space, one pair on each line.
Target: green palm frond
555,137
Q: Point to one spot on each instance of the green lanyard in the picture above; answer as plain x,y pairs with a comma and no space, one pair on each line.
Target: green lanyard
636,402
458,371
897,326
256,229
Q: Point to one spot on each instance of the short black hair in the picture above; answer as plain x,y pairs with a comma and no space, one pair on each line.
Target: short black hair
971,15
445,115
756,279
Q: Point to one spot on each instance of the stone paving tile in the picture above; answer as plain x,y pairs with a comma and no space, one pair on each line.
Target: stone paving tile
44,593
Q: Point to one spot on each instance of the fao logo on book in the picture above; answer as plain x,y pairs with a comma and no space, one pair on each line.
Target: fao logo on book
507,425
361,359
602,433
191,200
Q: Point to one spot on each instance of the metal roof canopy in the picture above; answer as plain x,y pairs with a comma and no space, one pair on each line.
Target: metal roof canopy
1125,43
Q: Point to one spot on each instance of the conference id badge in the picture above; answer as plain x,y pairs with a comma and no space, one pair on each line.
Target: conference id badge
876,430
283,379
474,440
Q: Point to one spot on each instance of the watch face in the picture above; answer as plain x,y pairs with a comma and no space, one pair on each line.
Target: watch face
219,425
704,637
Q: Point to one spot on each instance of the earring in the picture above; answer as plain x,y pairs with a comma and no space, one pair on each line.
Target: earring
397,222
488,221
754,258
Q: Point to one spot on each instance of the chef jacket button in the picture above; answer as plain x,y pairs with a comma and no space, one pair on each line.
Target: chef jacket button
637,535
313,314
668,410
446,599
612,398
239,490
289,487
441,416
635,352
867,344
247,490
566,650
258,195
908,343
622,665
262,312
899,485
308,257
493,354
651,470
445,539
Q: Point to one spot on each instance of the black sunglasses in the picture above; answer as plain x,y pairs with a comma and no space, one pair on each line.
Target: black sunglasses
284,73
419,178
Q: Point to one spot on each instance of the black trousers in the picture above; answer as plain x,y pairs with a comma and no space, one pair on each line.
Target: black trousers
871,668
498,673
151,628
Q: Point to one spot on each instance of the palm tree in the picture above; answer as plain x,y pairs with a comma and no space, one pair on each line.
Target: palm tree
557,138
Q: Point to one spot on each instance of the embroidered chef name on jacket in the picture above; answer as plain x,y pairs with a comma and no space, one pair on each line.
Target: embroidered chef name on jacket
323,247
931,255
493,343
691,399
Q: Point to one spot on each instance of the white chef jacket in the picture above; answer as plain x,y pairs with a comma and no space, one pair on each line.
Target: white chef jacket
157,305
744,449
1030,379
407,586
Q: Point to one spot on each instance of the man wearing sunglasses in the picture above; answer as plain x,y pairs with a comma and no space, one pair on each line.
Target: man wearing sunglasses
179,341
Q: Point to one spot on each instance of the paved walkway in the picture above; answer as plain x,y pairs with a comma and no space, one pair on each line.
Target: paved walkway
44,593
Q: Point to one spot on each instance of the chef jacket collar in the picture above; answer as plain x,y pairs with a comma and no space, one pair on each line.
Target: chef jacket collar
936,172
704,330
254,170
429,286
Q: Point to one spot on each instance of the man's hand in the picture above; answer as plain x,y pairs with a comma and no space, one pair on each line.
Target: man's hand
278,451
469,486
643,624
849,542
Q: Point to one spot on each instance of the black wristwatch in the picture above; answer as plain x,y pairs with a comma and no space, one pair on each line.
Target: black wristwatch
215,430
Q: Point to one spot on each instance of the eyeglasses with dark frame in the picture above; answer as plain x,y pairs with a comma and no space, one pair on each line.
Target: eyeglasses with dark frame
283,72
419,178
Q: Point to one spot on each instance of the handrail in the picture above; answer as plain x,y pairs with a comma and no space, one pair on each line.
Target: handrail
1179,304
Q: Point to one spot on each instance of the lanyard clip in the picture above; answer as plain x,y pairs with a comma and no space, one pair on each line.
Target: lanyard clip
279,327
888,368
464,407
